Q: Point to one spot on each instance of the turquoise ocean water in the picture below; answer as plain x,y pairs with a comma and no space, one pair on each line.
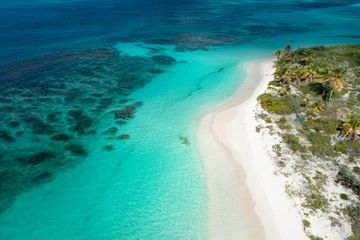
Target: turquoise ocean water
100,103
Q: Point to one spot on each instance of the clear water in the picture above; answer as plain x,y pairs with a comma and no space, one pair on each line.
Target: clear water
98,136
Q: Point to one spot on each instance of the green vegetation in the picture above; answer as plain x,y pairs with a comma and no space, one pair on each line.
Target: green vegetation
306,223
277,149
312,237
268,120
283,124
275,104
316,201
328,126
293,142
316,92
320,144
353,211
344,196
258,129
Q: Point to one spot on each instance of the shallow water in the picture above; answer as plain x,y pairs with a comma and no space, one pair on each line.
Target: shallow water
100,103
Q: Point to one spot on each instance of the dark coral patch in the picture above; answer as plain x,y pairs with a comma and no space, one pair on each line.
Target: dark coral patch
76,150
5,136
163,59
81,121
82,125
43,177
38,126
14,124
75,113
19,133
122,101
53,117
37,158
61,137
127,112
124,137
112,130
109,148
155,71
120,122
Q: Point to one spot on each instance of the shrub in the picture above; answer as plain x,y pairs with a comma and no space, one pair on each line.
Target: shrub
258,128
326,125
274,83
341,147
312,237
353,212
306,223
277,149
316,201
356,170
293,142
320,144
344,196
275,104
282,123
268,120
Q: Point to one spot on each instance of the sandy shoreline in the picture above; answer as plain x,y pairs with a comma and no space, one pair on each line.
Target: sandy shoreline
247,201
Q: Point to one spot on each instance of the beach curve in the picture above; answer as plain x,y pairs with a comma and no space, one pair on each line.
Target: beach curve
240,171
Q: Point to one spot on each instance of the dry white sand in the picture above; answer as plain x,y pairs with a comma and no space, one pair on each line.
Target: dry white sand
246,200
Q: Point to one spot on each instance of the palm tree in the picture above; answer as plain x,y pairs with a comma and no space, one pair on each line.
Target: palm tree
351,128
285,90
281,72
278,53
333,82
318,107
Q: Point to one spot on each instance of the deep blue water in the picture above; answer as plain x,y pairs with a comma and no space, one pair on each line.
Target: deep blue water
100,100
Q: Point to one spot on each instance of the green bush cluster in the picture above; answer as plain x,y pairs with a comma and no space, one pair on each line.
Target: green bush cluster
344,196
353,212
316,201
320,144
341,147
282,123
274,83
326,125
293,142
306,223
268,120
277,149
275,104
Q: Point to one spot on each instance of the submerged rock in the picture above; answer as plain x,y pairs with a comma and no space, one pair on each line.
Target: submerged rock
109,147
19,133
38,126
61,137
5,136
75,113
37,158
82,125
42,177
14,124
184,140
155,71
124,137
112,130
120,122
53,117
122,101
163,59
76,150
127,112
82,122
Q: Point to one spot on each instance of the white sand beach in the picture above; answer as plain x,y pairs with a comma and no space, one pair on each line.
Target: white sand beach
247,201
